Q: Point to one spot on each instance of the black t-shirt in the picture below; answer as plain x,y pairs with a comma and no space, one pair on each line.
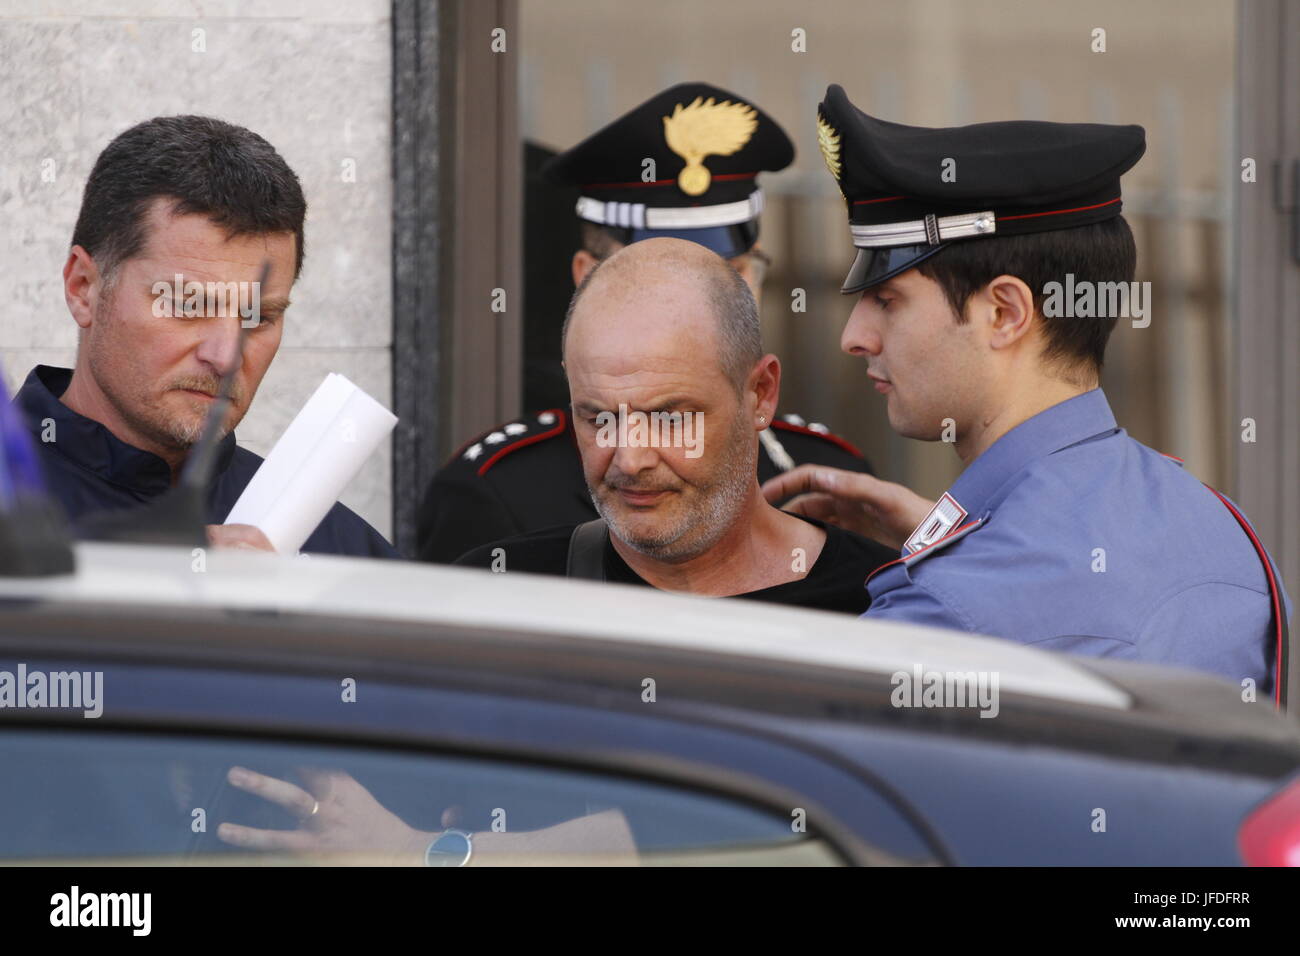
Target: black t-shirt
835,582
526,475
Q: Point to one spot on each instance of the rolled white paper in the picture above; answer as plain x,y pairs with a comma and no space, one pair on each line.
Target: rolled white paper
320,452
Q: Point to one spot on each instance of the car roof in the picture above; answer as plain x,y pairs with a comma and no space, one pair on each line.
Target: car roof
371,589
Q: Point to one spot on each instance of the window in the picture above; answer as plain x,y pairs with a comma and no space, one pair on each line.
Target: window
77,796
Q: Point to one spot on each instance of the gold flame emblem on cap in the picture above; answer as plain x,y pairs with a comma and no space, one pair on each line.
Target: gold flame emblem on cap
706,128
829,141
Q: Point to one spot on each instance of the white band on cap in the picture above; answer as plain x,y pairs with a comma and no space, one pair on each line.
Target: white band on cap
625,214
914,233
639,216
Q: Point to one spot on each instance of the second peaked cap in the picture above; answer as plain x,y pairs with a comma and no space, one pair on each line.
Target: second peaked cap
912,190
707,146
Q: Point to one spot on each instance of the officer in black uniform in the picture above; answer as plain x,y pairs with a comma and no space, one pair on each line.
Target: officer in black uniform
683,164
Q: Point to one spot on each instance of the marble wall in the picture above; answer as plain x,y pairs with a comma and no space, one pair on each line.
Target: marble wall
312,76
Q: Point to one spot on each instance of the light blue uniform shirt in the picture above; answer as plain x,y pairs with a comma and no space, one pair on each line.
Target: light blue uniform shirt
1053,502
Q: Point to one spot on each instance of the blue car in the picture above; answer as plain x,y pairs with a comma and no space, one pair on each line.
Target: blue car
233,707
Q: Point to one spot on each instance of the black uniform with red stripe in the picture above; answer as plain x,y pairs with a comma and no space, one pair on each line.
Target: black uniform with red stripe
526,475
708,147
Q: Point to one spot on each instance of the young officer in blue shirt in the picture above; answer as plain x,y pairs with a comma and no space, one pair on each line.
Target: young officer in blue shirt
1062,531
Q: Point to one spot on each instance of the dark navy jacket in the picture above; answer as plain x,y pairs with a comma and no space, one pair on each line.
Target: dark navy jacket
88,469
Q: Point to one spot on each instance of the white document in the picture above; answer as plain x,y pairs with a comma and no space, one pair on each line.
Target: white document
317,456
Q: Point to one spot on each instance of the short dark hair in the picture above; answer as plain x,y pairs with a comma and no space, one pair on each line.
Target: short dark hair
208,167
1100,252
601,241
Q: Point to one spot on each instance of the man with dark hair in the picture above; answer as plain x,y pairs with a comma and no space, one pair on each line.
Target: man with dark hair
1098,253
1061,532
664,333
165,281
684,164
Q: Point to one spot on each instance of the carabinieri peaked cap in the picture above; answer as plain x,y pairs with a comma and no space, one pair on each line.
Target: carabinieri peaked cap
706,147
912,190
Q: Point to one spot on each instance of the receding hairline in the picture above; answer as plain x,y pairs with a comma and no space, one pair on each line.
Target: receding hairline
655,263
661,263
655,256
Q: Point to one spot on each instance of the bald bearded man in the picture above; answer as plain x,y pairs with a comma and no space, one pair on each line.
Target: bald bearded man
670,389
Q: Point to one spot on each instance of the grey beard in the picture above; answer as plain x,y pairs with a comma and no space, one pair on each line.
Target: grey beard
722,504
184,435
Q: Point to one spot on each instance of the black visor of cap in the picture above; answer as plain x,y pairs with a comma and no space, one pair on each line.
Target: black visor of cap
873,266
726,241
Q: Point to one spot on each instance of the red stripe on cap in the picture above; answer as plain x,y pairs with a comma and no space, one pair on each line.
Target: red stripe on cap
530,440
1060,212
720,178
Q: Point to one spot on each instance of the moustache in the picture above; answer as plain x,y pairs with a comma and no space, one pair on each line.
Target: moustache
208,386
617,484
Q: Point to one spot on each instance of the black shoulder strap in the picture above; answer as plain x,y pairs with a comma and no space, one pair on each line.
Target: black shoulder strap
587,551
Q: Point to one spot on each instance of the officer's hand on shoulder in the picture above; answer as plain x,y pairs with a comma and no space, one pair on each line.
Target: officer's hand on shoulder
862,503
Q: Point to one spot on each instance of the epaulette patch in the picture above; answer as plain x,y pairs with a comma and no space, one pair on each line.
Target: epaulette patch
794,423
494,445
